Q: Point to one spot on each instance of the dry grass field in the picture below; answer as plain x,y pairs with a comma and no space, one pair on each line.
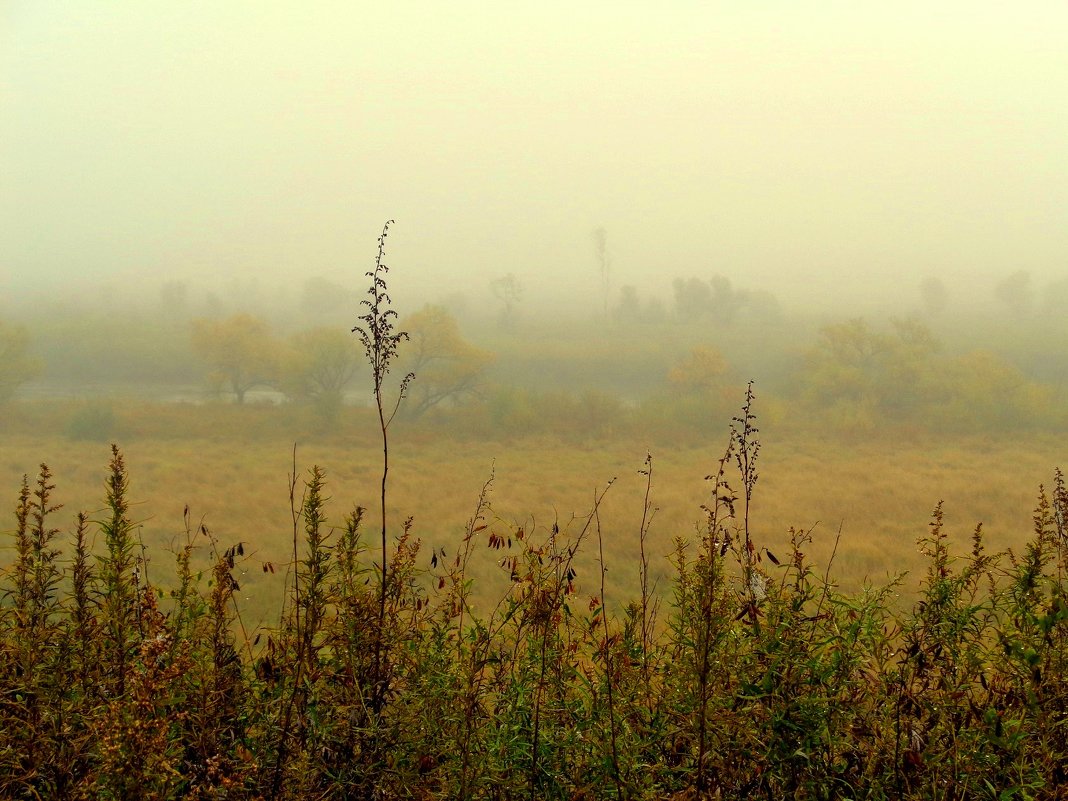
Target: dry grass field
457,679
231,467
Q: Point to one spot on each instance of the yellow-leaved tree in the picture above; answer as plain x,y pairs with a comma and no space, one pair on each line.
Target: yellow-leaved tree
448,368
240,350
318,365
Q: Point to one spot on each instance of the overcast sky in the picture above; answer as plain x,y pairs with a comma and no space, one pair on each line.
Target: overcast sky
798,145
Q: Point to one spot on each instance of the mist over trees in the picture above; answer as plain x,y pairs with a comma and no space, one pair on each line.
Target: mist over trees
448,369
509,291
717,299
668,359
240,351
17,365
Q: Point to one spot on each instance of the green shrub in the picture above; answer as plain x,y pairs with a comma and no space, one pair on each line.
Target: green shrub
95,421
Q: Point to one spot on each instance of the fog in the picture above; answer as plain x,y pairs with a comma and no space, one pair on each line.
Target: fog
822,151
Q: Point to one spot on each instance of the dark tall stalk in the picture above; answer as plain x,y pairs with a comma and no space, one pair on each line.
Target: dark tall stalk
380,343
119,594
609,667
81,617
745,457
643,532
719,511
543,618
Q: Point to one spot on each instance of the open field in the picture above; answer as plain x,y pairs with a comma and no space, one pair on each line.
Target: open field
423,686
230,466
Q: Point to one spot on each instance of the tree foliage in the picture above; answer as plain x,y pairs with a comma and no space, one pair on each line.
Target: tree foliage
866,376
702,372
449,368
935,296
717,299
509,291
17,366
984,390
319,364
862,378
241,352
1017,294
630,309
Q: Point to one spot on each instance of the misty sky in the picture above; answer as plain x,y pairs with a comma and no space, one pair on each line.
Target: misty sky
795,145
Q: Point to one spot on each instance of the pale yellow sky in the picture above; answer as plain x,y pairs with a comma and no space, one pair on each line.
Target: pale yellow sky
802,146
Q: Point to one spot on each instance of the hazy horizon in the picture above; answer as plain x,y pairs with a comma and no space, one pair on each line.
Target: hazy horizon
811,149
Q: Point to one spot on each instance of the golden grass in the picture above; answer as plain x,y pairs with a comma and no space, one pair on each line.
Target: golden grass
232,473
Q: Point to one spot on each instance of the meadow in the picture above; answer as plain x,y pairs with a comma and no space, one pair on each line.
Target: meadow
607,570
220,626
866,498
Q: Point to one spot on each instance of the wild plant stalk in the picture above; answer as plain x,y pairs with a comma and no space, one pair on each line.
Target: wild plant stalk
609,667
119,595
543,619
643,533
476,524
82,616
481,637
380,343
546,605
716,543
745,457
23,566
311,511
37,632
294,517
239,550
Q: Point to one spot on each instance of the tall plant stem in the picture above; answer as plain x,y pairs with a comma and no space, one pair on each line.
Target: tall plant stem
380,343
379,691
643,532
608,662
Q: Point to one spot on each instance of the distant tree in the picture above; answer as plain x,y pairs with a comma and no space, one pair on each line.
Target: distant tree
654,312
935,296
604,265
1055,299
596,412
17,366
1016,292
629,308
241,352
448,368
759,304
317,367
725,302
700,392
458,304
323,299
866,376
719,301
984,390
174,300
703,371
693,297
509,290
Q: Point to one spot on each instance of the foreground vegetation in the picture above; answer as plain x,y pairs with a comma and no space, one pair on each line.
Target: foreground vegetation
753,675
229,464
508,663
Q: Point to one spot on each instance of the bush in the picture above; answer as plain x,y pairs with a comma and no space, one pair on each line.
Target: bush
95,421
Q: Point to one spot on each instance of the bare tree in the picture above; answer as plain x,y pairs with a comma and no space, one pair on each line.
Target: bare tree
604,265
509,290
